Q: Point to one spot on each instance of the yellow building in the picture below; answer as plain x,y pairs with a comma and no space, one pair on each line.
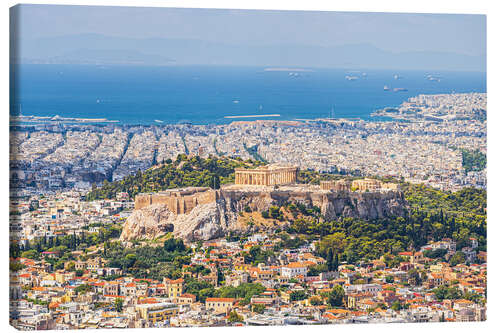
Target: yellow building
219,304
157,312
174,288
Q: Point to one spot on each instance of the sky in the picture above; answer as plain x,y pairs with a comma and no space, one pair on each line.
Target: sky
464,34
461,34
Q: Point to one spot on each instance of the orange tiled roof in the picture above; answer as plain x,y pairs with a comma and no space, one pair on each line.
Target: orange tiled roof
220,299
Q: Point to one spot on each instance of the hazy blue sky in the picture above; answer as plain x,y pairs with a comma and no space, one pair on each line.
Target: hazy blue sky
464,34
170,36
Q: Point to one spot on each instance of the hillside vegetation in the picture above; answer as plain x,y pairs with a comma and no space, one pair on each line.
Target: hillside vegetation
432,214
184,171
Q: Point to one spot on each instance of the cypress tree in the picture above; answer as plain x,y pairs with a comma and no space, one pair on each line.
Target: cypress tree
336,262
329,259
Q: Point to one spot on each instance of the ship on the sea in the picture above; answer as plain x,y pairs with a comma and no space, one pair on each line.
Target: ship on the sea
386,88
433,78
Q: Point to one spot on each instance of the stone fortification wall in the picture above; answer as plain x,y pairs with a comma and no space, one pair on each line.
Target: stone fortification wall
363,185
333,204
369,205
204,213
178,201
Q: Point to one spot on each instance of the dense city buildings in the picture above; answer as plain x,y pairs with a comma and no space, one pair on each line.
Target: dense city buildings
322,221
56,157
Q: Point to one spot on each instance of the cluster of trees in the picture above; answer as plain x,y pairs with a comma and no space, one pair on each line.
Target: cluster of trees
62,246
256,255
298,295
314,177
317,269
203,289
332,260
289,242
299,208
451,292
434,254
83,289
148,261
273,212
432,215
234,317
335,297
184,171
473,160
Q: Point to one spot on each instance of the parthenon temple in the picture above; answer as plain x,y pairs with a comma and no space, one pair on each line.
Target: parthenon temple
267,175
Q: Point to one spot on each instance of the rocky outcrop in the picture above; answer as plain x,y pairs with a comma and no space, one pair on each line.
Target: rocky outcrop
214,219
147,223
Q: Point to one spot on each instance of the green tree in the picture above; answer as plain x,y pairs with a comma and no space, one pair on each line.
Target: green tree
298,295
258,308
444,292
396,306
234,317
336,262
414,277
83,289
315,301
336,296
329,259
458,258
118,304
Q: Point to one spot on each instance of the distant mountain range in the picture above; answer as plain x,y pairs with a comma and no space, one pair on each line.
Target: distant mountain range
101,49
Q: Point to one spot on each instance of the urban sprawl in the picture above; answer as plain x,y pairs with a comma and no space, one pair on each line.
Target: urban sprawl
71,268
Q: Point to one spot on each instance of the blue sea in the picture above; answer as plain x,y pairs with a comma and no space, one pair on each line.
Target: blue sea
206,94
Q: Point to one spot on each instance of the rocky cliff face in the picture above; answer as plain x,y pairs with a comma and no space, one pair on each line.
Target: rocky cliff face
214,219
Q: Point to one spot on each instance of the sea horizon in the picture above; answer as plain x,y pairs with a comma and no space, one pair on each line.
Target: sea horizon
202,95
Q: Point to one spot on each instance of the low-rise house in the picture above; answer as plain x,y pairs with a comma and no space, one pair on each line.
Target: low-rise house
186,299
219,304
157,312
293,269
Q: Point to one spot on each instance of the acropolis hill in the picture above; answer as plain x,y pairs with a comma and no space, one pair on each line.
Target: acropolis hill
203,213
